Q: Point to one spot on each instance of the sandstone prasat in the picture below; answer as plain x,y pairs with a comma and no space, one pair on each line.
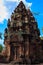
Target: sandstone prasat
22,36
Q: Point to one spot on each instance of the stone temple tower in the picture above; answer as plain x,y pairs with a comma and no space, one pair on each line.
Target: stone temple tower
21,36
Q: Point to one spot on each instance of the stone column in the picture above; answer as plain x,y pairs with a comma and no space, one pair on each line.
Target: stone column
7,51
27,49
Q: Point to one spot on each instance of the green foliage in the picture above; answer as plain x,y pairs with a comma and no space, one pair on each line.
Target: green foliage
1,48
0,35
41,37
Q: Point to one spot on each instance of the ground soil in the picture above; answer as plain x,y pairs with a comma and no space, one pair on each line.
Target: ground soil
17,64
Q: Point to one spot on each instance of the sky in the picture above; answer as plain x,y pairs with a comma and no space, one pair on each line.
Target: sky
8,6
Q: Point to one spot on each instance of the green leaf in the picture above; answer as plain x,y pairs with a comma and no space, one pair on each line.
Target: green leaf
1,48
